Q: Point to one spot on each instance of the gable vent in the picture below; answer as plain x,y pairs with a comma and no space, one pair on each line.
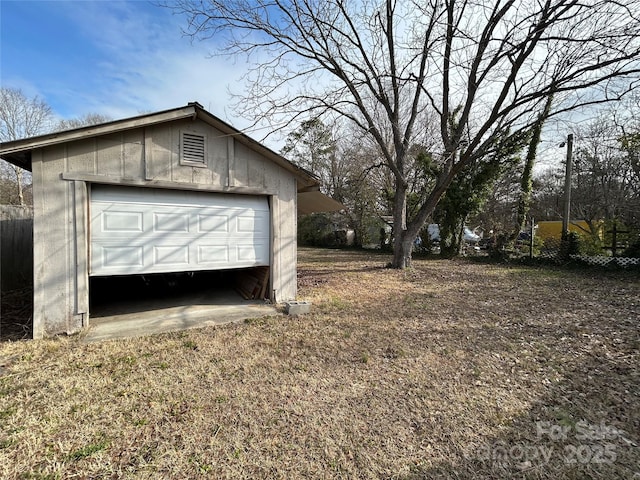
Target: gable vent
193,148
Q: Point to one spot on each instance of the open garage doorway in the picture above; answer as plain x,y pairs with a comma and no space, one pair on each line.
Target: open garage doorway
133,305
127,294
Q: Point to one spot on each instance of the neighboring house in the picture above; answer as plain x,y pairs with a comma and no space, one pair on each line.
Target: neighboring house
552,229
173,191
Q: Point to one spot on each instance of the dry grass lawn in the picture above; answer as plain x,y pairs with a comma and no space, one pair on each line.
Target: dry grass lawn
453,369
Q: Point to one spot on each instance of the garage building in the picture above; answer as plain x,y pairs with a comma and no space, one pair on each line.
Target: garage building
173,191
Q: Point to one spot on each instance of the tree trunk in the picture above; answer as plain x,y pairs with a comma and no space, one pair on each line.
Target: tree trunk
401,243
526,183
19,181
402,250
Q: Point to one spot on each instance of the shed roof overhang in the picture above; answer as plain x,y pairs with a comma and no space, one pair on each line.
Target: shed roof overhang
316,201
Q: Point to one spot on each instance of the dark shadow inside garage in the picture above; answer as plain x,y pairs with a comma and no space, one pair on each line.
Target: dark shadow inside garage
125,294
133,305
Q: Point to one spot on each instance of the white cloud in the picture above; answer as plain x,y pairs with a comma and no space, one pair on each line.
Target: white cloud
145,64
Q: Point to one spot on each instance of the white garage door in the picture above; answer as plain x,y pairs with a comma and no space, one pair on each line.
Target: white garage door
142,230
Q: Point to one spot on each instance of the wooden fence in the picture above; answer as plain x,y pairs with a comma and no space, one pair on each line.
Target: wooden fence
16,247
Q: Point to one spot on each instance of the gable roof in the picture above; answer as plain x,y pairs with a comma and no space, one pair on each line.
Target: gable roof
18,152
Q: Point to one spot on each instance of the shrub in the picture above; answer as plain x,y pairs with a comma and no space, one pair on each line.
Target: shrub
633,250
589,245
314,230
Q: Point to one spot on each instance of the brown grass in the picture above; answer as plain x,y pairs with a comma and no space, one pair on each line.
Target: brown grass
449,370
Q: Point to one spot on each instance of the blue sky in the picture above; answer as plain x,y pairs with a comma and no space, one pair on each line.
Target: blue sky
117,58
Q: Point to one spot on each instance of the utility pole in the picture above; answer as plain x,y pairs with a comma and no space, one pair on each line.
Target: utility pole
567,187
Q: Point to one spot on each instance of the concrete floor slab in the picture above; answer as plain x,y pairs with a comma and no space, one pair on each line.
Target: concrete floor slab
135,319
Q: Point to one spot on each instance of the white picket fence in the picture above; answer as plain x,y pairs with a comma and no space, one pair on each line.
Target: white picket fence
603,261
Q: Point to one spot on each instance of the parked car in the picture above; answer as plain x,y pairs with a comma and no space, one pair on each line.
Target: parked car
468,235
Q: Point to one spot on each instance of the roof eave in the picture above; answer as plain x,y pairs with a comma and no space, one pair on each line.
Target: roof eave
32,143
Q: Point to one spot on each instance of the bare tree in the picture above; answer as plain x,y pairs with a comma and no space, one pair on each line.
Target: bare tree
627,124
548,194
387,66
526,180
604,185
83,121
20,117
313,147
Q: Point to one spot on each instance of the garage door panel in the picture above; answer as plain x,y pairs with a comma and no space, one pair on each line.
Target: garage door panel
213,254
171,255
250,253
137,230
118,256
170,222
251,223
117,221
213,223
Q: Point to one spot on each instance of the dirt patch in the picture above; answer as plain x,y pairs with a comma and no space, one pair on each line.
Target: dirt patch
449,370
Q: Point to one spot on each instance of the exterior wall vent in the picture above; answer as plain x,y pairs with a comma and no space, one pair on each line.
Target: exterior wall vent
193,149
